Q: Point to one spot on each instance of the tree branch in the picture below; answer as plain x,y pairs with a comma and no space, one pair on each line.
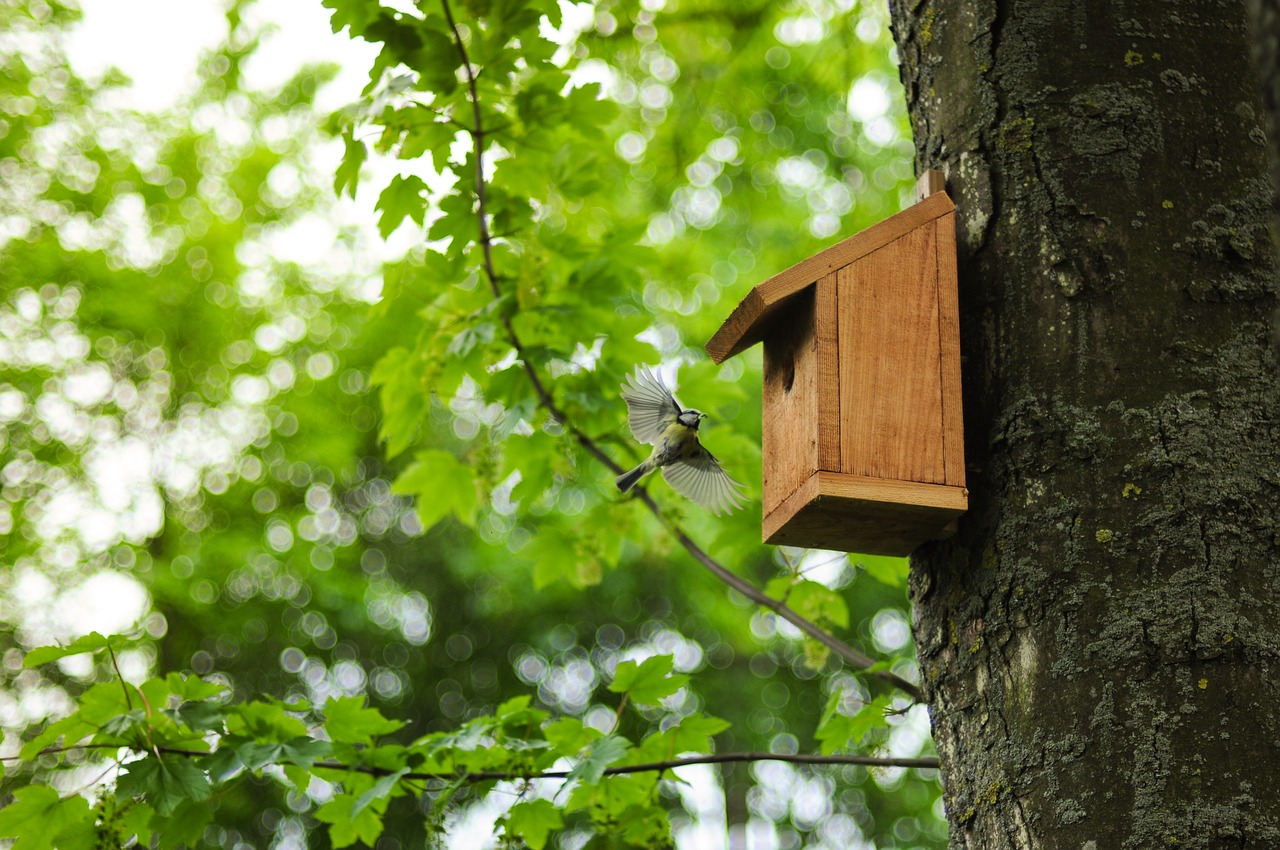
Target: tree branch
925,762
843,650
919,763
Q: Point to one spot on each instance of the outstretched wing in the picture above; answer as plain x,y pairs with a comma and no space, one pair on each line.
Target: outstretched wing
700,478
650,407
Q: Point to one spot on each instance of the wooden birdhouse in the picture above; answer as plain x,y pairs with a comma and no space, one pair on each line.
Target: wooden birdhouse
863,438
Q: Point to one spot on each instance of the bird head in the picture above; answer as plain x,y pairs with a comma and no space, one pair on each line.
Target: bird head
691,418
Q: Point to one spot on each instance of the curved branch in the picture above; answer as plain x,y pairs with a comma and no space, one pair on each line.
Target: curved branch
843,650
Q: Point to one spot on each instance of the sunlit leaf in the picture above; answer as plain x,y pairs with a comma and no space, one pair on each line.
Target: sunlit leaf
92,642
533,821
648,682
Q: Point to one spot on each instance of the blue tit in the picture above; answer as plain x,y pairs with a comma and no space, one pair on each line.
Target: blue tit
692,471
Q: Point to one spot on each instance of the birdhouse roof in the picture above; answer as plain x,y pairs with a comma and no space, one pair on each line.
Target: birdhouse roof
750,320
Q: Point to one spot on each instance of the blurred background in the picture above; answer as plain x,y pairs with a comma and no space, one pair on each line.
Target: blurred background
190,322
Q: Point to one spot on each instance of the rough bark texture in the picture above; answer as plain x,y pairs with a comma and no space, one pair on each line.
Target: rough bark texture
1101,641
1264,17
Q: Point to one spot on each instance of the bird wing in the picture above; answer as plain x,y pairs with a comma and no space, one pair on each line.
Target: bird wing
700,478
650,406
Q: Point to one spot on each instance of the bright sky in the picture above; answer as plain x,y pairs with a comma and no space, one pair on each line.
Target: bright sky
161,55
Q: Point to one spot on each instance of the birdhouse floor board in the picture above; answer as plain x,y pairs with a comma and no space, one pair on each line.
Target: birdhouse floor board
872,516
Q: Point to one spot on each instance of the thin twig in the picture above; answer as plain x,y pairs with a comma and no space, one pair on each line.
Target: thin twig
128,700
843,650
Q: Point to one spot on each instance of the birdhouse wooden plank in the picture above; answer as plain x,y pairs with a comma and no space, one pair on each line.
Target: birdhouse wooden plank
863,438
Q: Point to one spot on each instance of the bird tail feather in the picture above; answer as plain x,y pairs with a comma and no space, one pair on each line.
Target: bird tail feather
627,480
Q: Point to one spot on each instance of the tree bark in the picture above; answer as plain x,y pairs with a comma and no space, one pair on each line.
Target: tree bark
1100,642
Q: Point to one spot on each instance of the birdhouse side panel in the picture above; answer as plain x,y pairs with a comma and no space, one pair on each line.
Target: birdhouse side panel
949,347
890,383
827,319
790,402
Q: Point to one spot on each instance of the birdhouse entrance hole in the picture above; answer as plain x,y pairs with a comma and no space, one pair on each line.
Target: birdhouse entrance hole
862,439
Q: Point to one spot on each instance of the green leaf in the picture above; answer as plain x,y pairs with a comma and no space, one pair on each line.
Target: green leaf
600,754
650,681
264,721
884,569
819,603
442,484
137,822
354,153
532,821
403,198
356,14
779,587
515,716
92,642
557,555
458,223
399,373
202,716
73,728
837,731
437,61
102,702
183,827
193,688
40,819
346,826
386,787
166,784
349,721
423,135
569,735
305,751
695,731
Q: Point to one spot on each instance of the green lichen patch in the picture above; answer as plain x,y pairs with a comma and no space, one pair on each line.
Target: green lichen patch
1016,135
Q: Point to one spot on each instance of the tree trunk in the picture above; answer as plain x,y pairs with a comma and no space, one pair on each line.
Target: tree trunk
1100,643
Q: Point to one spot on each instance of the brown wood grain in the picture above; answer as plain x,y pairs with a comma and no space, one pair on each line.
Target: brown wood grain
750,320
851,513
826,319
931,182
790,401
949,352
890,391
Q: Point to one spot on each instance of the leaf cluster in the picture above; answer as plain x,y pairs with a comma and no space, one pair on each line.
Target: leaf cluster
176,743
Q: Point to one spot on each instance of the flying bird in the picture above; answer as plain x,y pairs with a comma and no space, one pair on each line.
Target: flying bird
658,420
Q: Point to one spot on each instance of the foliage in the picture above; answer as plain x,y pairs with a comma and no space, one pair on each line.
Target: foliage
173,743
457,560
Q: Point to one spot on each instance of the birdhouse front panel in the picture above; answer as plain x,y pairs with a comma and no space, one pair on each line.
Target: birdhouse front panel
800,360
789,446
863,444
